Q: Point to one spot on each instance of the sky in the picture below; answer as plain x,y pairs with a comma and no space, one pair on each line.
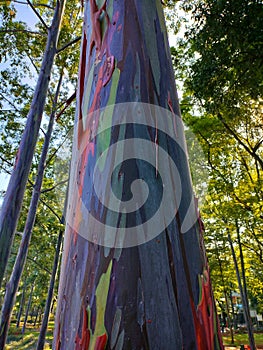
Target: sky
25,14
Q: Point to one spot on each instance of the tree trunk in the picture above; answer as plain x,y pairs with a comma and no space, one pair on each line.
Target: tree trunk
229,318
36,316
21,306
225,293
27,311
13,283
149,289
48,306
245,302
43,329
53,305
245,308
40,316
233,311
14,195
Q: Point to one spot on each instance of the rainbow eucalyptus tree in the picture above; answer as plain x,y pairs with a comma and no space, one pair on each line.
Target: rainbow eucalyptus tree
134,272
12,204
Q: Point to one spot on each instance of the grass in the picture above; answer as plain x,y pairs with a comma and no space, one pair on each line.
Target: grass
28,341
242,339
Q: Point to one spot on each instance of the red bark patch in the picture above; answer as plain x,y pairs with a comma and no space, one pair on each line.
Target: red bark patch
101,342
204,316
58,342
205,310
82,342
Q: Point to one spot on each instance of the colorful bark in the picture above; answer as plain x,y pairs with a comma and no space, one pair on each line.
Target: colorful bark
146,296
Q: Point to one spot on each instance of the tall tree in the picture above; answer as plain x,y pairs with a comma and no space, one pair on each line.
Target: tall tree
222,104
13,283
44,324
117,294
14,195
243,298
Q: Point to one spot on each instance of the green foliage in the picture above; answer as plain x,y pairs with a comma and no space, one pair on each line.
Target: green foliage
229,41
219,64
22,45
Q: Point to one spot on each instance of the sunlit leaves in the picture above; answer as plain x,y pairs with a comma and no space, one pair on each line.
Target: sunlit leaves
221,68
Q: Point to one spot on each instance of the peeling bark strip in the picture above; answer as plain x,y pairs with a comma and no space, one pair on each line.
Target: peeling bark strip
13,198
156,295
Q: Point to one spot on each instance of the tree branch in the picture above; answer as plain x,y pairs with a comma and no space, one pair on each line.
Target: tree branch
36,5
21,31
55,186
67,104
36,263
37,14
11,103
251,152
56,151
248,208
32,62
45,5
6,161
74,41
52,210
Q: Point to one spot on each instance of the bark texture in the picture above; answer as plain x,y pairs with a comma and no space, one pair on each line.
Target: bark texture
155,295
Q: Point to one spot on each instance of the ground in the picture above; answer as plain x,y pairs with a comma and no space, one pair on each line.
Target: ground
17,341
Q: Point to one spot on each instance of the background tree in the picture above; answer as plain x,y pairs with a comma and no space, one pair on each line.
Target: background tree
14,195
40,254
221,69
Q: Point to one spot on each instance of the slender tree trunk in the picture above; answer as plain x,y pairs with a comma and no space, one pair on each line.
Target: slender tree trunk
43,329
52,305
36,316
27,309
13,283
229,318
233,311
225,293
116,294
40,316
21,306
246,312
44,324
14,195
246,303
